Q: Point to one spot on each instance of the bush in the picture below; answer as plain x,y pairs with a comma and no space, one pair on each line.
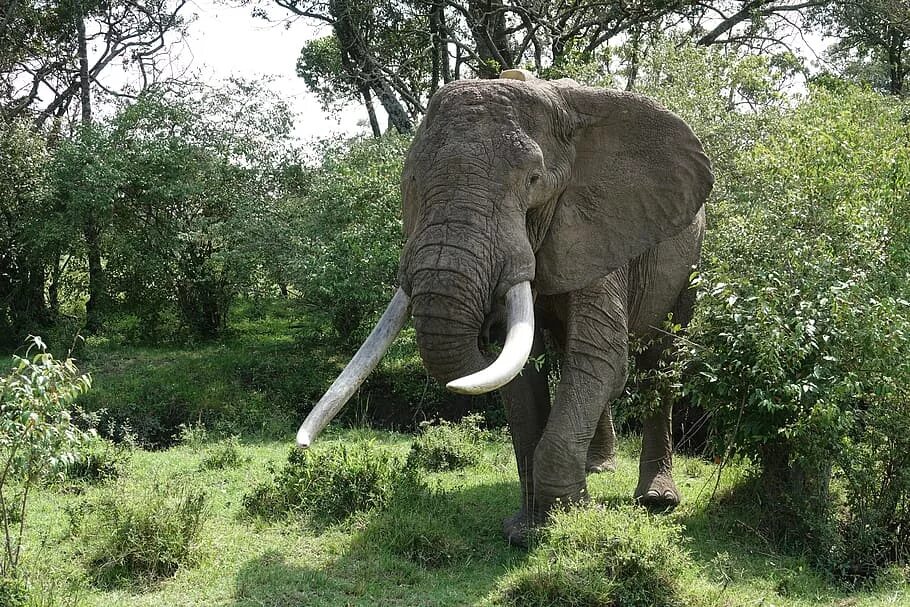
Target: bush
418,524
37,437
350,233
97,459
801,339
225,454
328,484
448,446
13,592
597,557
139,537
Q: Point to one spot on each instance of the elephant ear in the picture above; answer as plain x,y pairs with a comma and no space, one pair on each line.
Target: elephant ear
640,175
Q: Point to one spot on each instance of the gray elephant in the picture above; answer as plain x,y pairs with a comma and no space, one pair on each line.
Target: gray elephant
535,206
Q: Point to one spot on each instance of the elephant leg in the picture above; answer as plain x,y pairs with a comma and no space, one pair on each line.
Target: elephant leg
594,369
527,404
656,488
602,451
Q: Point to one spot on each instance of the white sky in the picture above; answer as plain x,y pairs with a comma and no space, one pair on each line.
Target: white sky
227,41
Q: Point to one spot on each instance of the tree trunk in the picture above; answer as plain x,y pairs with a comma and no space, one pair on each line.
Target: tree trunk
371,111
439,33
356,59
488,27
896,67
91,229
94,307
85,93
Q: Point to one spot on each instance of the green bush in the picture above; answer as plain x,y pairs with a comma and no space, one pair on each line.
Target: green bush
225,454
598,557
418,524
139,536
801,340
350,233
328,484
13,592
37,437
448,446
97,460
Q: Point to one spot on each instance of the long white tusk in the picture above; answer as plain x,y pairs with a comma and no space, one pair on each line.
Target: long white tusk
515,352
364,361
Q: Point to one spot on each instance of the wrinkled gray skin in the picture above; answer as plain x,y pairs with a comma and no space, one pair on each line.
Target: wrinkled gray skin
594,196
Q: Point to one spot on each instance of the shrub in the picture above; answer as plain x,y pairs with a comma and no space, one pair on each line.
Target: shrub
801,339
418,524
140,536
448,446
37,437
328,484
350,233
225,454
13,592
97,459
599,557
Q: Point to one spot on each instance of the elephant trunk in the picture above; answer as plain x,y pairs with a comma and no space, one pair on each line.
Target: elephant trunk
447,334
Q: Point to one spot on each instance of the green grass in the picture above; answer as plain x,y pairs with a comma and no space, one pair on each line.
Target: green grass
437,545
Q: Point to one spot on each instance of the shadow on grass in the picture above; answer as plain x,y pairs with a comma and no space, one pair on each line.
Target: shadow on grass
429,547
731,537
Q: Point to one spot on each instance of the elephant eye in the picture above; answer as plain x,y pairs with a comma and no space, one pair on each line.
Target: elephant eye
533,179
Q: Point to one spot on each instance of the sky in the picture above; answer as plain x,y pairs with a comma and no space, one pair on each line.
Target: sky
226,41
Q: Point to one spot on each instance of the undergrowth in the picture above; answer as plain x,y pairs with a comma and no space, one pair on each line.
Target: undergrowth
141,536
329,484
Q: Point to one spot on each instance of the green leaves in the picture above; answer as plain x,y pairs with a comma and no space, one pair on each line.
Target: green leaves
37,437
800,342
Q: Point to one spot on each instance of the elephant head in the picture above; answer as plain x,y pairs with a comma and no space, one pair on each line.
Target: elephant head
521,186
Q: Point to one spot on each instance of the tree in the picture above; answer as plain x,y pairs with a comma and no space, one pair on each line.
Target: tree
198,186
45,68
874,43
26,233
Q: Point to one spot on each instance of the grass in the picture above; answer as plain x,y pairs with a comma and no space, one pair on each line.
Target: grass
437,545
436,541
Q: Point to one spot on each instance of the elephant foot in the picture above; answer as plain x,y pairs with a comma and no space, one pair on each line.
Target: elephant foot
595,465
658,493
517,529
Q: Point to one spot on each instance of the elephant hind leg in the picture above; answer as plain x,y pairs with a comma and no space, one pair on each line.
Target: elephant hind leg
656,488
602,451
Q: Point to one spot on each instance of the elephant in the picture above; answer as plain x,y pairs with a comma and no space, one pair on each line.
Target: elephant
537,210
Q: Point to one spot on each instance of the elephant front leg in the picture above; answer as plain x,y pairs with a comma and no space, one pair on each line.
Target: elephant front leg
594,370
656,488
527,404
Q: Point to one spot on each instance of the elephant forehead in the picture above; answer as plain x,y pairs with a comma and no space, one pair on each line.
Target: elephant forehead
476,101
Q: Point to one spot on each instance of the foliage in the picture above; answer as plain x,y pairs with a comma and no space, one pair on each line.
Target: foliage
25,233
800,342
873,45
97,460
597,556
350,233
418,524
142,537
225,454
448,446
197,197
37,438
327,484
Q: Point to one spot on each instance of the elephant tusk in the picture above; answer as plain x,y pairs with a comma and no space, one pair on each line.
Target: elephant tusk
515,352
364,361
